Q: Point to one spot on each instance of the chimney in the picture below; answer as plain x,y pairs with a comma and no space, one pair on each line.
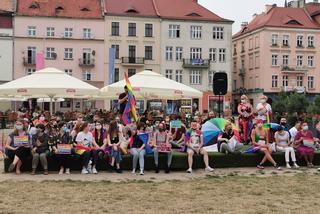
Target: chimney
243,25
297,3
254,16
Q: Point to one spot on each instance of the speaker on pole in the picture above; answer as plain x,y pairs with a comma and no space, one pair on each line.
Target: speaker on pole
220,83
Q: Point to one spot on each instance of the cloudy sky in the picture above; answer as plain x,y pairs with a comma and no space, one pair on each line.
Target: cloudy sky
238,10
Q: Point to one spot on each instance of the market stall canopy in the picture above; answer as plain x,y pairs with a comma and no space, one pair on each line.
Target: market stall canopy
151,85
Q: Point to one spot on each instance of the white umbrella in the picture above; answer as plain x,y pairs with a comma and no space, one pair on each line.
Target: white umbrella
151,85
46,100
48,83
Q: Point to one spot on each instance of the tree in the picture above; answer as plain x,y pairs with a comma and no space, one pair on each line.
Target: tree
279,106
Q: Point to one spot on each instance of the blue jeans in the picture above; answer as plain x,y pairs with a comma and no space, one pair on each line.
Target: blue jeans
156,157
116,155
137,155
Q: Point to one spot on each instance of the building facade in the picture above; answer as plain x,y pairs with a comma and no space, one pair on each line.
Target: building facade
277,52
70,35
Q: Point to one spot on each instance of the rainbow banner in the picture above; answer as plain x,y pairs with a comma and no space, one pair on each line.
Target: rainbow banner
130,110
64,149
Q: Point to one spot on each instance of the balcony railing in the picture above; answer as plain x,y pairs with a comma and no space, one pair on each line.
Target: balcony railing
29,61
196,63
133,60
86,62
294,69
298,89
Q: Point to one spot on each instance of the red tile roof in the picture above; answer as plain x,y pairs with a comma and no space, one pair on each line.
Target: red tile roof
130,8
313,8
185,10
168,9
5,21
89,9
279,17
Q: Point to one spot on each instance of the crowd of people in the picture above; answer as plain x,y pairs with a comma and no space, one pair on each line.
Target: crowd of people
108,138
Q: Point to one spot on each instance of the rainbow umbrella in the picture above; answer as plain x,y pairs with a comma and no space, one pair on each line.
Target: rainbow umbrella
271,126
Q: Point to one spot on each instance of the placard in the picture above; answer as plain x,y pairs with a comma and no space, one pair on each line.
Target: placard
309,143
64,149
164,148
175,124
21,141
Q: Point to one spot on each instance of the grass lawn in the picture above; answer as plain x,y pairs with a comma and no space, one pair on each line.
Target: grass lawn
230,193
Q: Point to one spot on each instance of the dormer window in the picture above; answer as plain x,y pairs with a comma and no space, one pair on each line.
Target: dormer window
293,22
34,5
59,8
131,10
85,9
193,14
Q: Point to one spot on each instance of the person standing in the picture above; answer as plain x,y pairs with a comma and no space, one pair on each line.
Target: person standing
123,99
245,112
264,110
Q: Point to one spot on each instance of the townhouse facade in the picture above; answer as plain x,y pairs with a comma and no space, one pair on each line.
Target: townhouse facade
277,52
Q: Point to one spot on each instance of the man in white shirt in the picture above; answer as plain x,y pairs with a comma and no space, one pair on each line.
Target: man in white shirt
294,130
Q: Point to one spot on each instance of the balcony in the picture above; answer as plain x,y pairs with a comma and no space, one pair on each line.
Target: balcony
196,63
298,89
29,61
86,62
133,61
294,69
242,72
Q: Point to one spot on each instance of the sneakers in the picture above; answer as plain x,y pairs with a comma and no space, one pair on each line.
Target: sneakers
119,171
84,171
46,172
259,166
277,167
141,172
67,171
156,169
167,170
296,165
209,169
133,171
318,169
61,171
89,169
94,170
288,166
33,172
189,170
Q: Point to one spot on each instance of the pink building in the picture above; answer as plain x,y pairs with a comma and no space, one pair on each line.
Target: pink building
70,34
277,52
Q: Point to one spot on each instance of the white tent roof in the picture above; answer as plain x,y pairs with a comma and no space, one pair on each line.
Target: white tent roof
151,85
49,82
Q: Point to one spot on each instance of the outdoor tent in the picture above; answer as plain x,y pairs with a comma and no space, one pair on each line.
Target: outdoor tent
149,85
48,83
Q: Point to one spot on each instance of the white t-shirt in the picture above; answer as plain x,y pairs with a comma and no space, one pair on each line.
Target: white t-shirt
263,110
293,132
85,139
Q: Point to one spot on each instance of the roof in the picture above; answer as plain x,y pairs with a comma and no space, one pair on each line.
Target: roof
313,8
166,9
5,21
186,10
7,5
130,8
283,17
88,9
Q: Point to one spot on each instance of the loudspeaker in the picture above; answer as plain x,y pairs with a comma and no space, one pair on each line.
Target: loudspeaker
220,83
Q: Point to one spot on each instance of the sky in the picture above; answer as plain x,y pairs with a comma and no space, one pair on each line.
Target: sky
238,10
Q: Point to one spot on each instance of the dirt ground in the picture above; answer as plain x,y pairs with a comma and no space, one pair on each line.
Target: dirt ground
224,191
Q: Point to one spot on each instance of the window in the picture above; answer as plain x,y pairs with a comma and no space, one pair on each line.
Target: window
132,52
86,75
251,62
132,29
115,29
148,30
68,71
195,53
87,33
274,60
250,44
285,81
131,72
311,61
86,56
299,41
274,81
310,82
235,66
169,74
116,47
257,61
242,47
31,31
174,31
210,77
68,32
50,31
212,55
169,53
148,52
116,75
299,61
310,41
285,40
235,49
50,53
195,77
218,32
285,60
222,55
274,40
31,58
68,53
179,76
196,32
179,53
31,71
300,81
234,86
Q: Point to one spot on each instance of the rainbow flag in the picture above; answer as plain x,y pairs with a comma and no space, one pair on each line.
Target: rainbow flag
130,109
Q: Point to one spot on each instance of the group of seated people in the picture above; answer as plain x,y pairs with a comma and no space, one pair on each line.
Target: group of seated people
111,140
